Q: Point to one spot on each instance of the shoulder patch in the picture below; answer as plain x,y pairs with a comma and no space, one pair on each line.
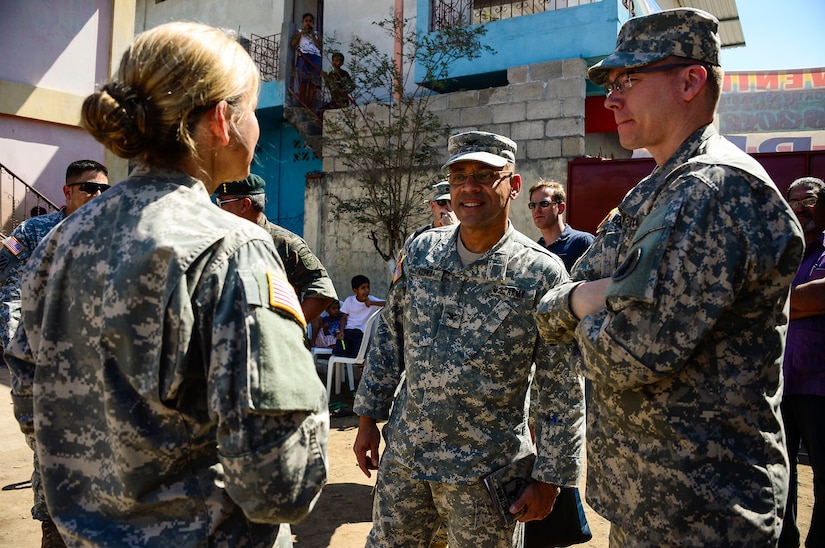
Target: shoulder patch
13,244
628,265
399,268
606,217
282,295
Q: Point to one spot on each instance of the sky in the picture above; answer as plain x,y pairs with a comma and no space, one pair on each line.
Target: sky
779,34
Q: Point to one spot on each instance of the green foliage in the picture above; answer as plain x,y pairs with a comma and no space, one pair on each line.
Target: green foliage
390,140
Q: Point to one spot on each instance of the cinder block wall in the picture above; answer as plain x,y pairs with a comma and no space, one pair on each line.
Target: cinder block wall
541,109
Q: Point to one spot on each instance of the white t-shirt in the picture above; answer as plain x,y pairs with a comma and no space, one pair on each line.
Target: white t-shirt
357,313
307,45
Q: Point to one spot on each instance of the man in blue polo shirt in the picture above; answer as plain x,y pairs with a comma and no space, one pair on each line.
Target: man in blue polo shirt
547,203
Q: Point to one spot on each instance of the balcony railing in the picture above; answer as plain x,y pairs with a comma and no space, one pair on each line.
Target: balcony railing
19,201
265,50
462,13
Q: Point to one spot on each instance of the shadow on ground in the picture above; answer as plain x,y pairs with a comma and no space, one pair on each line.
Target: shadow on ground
317,533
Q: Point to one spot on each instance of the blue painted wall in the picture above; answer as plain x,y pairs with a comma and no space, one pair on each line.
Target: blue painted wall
587,31
282,160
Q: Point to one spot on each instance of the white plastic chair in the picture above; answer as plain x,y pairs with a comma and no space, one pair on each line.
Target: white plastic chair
336,364
320,355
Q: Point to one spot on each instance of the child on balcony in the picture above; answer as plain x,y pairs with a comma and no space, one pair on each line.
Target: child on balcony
308,43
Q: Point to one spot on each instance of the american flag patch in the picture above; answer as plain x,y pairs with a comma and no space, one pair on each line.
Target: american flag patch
13,245
399,269
282,295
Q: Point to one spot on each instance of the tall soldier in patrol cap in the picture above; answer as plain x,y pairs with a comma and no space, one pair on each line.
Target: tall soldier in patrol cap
246,199
459,320
681,322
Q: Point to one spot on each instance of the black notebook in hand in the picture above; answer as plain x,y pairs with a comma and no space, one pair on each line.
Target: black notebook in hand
506,485
564,526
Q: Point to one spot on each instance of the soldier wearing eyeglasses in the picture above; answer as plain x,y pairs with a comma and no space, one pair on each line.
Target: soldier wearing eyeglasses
85,179
307,276
547,205
459,322
679,309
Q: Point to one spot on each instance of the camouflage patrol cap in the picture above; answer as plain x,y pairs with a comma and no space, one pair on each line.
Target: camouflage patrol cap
481,146
245,187
442,191
689,33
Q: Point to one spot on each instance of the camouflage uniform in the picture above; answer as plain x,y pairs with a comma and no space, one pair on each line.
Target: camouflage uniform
14,254
160,365
685,443
467,338
304,271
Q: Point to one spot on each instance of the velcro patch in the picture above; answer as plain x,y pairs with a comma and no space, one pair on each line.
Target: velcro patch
13,244
507,292
282,295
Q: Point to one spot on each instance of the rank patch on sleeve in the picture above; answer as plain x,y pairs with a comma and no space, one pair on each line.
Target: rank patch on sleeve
12,244
282,295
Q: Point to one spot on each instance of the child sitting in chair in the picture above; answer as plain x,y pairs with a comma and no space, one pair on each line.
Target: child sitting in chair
354,315
329,327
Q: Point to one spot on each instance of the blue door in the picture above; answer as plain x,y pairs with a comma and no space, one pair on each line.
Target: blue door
283,161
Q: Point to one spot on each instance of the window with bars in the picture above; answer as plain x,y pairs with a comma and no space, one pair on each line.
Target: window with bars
462,13
265,51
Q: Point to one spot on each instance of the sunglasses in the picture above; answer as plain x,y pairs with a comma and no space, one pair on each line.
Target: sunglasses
543,204
91,188
804,202
442,203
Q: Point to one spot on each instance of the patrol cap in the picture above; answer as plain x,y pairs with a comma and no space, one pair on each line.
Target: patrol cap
442,191
481,146
689,33
245,187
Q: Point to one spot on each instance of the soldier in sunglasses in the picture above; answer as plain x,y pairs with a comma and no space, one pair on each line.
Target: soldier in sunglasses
85,179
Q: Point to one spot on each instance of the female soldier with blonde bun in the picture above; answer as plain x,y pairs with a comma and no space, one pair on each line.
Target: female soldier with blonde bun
160,368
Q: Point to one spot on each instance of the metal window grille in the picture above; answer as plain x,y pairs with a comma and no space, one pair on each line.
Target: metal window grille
19,201
264,50
462,13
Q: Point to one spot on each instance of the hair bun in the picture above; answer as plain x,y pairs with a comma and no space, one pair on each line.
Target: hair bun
116,117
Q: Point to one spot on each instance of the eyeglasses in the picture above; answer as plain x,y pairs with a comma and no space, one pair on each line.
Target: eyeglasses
483,177
443,203
623,81
220,202
90,187
543,204
804,202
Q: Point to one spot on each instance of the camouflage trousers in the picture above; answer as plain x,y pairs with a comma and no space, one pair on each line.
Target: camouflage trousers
408,512
40,511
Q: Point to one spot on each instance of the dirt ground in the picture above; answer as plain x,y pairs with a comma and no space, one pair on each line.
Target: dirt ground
341,519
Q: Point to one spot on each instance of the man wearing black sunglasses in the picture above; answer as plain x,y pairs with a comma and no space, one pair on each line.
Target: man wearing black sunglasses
85,179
